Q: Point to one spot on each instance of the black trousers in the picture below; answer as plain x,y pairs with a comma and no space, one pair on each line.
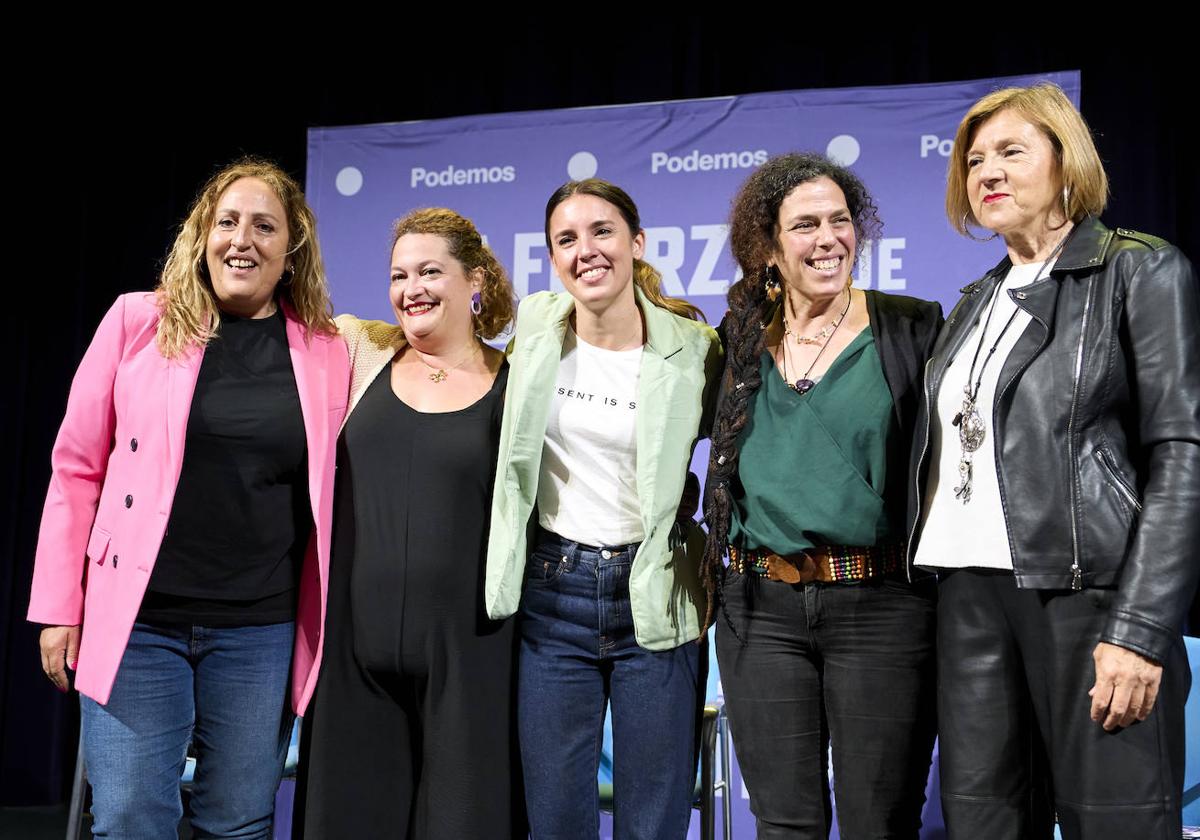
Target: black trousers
847,664
1017,740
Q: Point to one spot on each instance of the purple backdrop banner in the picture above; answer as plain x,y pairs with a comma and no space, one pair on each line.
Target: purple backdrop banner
682,163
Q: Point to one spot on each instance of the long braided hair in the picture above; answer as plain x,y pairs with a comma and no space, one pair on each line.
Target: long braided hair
754,229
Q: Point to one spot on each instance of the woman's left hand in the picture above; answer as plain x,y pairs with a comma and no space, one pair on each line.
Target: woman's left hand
60,651
1126,686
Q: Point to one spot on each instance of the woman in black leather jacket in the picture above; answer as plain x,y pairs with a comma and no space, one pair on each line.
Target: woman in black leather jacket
1060,449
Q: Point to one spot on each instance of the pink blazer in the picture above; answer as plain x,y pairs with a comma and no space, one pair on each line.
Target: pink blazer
116,463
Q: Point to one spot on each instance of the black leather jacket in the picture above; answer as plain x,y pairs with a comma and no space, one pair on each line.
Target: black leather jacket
1096,426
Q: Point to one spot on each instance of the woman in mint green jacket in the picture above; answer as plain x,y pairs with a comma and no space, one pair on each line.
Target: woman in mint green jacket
607,394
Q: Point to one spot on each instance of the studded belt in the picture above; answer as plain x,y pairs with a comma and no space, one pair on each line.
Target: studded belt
822,563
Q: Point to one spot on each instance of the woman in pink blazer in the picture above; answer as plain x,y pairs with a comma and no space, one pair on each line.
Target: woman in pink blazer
184,548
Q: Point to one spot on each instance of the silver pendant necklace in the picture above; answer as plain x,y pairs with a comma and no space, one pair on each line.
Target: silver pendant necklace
972,431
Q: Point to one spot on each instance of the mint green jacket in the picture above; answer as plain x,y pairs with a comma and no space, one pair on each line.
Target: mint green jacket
681,363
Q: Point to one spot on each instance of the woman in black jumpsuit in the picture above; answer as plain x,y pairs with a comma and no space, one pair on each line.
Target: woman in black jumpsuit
410,734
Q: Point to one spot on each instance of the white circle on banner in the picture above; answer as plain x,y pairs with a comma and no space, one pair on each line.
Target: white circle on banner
843,150
349,180
582,165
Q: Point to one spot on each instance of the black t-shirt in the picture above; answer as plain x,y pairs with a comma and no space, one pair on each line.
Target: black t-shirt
241,519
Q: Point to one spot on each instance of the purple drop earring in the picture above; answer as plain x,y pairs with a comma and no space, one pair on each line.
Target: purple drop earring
476,303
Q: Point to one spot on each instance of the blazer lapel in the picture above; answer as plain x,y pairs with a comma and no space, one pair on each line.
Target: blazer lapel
181,387
310,385
656,392
533,383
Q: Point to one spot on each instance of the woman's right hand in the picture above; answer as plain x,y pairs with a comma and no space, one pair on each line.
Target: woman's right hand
60,650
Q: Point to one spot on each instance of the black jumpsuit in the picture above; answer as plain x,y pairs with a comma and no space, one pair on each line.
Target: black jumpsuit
410,733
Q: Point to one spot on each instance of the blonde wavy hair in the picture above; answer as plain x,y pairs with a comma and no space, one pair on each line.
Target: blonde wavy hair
465,244
645,276
185,292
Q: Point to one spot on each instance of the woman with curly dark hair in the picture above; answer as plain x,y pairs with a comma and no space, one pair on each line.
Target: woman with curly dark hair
823,637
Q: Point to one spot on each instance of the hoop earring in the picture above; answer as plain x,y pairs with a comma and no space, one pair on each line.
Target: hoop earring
1066,203
289,274
476,303
967,232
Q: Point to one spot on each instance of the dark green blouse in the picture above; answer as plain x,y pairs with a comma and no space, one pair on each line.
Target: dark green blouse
813,467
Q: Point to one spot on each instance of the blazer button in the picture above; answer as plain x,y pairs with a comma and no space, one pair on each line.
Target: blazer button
133,444
129,501
114,561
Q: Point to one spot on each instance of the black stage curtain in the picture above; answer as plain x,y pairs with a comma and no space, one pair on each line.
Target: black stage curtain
116,147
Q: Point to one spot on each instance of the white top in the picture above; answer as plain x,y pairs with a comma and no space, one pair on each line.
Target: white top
974,534
587,490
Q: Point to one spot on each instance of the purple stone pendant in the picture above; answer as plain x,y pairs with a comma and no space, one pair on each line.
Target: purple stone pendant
803,386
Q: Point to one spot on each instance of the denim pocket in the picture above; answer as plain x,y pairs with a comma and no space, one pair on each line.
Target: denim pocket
544,568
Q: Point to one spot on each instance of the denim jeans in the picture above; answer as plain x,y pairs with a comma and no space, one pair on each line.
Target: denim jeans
852,665
223,689
577,653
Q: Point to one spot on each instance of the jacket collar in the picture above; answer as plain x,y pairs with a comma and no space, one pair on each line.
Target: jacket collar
1086,247
663,336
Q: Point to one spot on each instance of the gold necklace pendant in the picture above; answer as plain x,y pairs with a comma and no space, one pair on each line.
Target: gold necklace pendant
820,336
437,375
817,338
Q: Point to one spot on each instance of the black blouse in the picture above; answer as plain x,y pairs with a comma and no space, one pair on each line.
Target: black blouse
241,518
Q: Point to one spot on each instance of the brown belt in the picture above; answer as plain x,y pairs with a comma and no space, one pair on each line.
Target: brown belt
822,563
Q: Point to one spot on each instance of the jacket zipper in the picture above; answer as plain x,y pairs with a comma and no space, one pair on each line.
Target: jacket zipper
912,534
1119,484
1076,571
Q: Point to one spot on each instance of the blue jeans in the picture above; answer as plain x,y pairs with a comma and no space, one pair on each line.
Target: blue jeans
223,689
578,651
